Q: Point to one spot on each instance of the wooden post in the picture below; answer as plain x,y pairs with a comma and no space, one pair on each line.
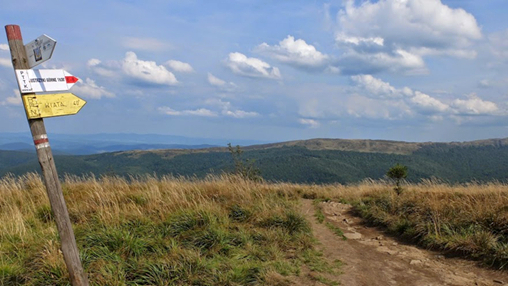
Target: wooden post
53,187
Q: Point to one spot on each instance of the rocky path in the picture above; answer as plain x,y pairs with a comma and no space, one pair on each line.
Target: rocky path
371,258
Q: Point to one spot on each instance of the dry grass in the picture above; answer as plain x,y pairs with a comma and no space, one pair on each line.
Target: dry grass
225,230
154,231
469,220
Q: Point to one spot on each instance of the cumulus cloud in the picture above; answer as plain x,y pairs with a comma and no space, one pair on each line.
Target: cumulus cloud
221,84
295,52
135,69
251,67
179,66
4,47
427,104
213,80
422,103
309,122
145,44
474,106
89,89
217,108
372,101
198,112
147,71
110,69
239,113
376,86
227,109
395,35
396,61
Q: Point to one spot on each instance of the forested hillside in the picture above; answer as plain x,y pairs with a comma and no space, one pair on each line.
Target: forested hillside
292,163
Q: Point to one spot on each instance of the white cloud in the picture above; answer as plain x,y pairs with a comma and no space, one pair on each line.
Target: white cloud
136,69
227,109
357,41
145,44
5,62
422,103
221,84
376,86
147,71
388,101
354,62
105,70
4,47
410,23
93,62
297,53
309,122
198,112
12,100
89,89
239,113
395,35
354,103
179,66
213,80
251,67
428,104
475,106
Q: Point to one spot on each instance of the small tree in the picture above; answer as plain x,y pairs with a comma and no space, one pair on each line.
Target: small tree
397,173
244,168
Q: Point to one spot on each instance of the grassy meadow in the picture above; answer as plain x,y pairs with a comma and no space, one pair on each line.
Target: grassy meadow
157,231
224,230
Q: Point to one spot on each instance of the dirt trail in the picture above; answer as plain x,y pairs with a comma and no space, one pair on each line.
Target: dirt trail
372,258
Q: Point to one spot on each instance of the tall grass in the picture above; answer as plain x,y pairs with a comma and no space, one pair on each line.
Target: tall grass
154,231
225,230
468,220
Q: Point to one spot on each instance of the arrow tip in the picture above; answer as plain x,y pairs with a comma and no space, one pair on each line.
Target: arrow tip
71,79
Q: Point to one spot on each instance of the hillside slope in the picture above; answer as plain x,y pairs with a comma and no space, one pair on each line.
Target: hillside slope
306,161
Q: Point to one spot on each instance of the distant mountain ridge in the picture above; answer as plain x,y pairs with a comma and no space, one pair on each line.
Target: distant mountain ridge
302,161
86,144
353,145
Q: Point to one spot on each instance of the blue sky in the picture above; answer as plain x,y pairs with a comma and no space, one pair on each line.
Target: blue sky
412,70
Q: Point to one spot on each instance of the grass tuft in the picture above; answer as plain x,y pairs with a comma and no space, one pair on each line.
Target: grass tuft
155,231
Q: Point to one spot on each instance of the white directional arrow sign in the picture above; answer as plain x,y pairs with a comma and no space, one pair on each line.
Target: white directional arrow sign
39,50
44,80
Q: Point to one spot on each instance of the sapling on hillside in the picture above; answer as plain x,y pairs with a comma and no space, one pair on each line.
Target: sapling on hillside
244,168
397,173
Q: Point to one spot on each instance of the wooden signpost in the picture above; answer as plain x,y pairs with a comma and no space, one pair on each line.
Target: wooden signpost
20,61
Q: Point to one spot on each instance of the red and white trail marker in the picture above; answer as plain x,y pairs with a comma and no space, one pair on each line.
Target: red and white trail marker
44,80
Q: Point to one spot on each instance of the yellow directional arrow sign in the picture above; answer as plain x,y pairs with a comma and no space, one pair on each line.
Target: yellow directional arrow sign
50,105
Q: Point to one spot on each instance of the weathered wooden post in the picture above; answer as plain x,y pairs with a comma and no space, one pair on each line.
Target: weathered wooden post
45,156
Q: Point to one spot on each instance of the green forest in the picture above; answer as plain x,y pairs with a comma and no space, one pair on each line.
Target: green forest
449,163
